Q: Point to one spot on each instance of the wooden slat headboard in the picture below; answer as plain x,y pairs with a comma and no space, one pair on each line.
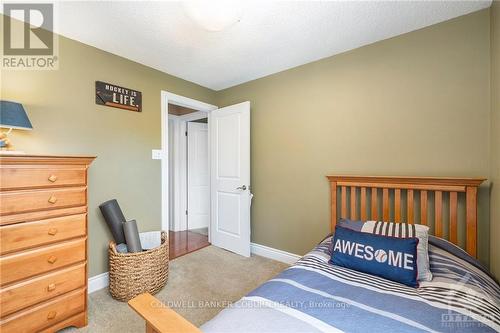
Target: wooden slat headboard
363,202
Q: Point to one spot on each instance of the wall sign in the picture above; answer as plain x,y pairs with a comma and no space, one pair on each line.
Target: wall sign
117,97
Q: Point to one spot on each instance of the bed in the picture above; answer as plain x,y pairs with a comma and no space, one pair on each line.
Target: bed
316,296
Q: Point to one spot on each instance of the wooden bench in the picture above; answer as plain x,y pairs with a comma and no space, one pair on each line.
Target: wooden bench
159,317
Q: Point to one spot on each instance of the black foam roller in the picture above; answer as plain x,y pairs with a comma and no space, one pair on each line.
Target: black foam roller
132,236
114,218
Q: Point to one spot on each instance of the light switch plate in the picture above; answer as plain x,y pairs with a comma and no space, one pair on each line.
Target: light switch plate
156,154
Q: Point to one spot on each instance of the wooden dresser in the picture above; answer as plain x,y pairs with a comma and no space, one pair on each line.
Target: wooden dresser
43,242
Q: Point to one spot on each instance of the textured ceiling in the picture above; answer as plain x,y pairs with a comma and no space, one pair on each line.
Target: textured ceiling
271,36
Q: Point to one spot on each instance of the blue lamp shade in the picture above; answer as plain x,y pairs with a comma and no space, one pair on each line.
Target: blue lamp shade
12,115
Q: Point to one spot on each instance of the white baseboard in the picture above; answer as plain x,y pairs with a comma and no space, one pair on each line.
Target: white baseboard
98,282
101,281
275,254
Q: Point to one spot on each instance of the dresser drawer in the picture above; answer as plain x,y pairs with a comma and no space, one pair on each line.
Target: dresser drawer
21,236
18,266
42,288
25,201
16,177
46,314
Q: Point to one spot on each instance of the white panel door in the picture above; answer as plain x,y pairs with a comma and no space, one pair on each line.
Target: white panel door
198,176
230,178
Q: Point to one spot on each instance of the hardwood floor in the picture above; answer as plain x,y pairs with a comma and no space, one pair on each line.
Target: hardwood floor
183,242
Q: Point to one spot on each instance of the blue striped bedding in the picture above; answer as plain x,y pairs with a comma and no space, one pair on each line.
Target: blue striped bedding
315,296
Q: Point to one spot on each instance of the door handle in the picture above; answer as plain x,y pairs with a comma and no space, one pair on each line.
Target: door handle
242,187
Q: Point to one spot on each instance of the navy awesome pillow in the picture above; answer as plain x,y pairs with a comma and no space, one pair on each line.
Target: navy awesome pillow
388,257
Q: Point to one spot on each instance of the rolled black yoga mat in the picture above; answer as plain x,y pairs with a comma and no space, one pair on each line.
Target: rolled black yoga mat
132,236
114,218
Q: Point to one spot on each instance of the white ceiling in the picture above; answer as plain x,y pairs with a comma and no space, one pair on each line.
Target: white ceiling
271,36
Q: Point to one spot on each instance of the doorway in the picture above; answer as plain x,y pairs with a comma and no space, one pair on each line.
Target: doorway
188,179
189,175
205,150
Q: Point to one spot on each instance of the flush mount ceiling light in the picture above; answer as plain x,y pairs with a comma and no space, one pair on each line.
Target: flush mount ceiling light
214,15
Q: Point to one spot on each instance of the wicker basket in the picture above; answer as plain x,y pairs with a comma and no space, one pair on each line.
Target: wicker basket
131,274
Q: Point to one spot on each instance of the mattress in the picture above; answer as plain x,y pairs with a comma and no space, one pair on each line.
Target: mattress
315,296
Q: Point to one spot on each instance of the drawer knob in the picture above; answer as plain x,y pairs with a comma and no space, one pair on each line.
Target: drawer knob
52,231
52,259
52,178
51,287
52,199
51,315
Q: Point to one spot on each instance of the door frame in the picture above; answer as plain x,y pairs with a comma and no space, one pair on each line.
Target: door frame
203,111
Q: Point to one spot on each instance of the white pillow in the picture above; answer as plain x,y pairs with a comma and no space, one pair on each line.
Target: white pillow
405,230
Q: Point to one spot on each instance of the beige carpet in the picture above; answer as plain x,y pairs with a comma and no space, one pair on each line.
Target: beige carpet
209,276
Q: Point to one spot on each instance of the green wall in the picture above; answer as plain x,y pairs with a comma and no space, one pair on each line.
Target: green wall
495,139
416,104
66,120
